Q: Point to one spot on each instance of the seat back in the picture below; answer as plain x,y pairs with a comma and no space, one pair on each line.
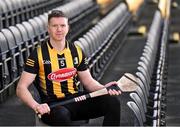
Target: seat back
14,54
139,103
4,61
25,39
21,46
138,121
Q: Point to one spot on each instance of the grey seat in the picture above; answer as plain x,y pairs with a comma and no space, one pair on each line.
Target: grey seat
14,54
144,87
42,32
44,18
25,38
1,23
32,38
10,12
21,47
17,11
138,120
86,46
4,15
139,103
4,61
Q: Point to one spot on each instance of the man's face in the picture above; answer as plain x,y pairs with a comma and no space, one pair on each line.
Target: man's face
58,28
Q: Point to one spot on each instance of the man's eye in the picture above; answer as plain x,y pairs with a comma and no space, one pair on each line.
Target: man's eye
54,25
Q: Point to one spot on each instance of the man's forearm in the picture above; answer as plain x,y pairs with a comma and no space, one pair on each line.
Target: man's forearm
94,85
26,97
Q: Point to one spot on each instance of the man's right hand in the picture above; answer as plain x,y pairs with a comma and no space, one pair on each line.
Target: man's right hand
42,109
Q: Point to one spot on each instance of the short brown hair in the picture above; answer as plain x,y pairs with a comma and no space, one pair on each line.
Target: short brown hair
56,13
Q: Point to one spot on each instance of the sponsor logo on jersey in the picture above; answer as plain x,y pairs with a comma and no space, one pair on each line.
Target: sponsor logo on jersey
62,74
46,62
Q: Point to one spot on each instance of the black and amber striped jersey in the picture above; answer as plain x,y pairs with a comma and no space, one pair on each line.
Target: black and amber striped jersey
56,70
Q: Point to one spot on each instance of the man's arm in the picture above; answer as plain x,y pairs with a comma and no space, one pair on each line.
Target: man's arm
88,81
92,85
24,94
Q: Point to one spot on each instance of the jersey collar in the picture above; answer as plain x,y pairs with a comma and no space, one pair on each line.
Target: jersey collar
66,46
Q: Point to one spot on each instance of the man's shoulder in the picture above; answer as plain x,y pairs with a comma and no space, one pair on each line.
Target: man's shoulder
77,46
74,46
41,45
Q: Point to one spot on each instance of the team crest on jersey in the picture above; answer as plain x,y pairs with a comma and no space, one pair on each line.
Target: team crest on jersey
62,74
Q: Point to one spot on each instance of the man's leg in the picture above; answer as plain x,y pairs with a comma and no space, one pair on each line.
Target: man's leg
113,111
107,106
59,115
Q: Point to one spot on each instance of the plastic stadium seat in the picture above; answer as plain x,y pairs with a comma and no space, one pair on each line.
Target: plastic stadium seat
89,44
139,91
21,46
32,38
44,18
139,103
144,64
25,38
10,12
137,113
4,15
80,45
14,54
17,10
4,61
90,37
144,87
1,23
41,28
86,46
143,72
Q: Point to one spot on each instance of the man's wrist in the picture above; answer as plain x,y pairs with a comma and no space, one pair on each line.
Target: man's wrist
34,107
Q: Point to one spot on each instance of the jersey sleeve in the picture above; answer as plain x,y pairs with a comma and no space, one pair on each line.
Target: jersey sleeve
83,65
31,64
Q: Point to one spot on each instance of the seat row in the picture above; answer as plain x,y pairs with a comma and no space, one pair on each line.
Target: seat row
16,11
102,41
148,99
18,41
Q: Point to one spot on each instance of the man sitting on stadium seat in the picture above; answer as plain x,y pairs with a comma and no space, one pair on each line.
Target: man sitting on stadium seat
56,66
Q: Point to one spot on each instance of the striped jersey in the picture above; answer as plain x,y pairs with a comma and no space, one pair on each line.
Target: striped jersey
56,70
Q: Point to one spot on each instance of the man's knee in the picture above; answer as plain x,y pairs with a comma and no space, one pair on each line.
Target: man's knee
114,100
58,116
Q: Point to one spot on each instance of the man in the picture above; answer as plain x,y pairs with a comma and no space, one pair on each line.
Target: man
55,66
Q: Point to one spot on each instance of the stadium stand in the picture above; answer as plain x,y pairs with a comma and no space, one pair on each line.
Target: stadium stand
152,75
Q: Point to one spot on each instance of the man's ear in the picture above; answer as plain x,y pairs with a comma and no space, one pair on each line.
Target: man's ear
48,28
68,28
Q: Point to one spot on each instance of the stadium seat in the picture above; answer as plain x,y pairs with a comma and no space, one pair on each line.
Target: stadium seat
4,15
139,103
11,18
85,45
32,34
42,34
25,39
4,62
45,24
21,47
138,121
14,54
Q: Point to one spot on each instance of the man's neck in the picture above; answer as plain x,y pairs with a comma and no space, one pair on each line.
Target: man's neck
58,45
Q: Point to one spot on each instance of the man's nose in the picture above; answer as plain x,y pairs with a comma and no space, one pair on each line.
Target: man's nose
59,28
